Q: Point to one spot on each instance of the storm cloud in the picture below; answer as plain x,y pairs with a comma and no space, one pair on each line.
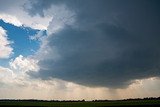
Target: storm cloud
110,44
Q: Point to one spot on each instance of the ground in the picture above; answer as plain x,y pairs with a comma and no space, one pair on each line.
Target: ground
78,103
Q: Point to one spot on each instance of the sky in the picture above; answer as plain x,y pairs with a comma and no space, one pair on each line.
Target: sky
79,49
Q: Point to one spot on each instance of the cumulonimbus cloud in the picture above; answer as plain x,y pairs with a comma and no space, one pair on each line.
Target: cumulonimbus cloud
110,44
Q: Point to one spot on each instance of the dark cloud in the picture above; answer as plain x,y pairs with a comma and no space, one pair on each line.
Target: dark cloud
115,42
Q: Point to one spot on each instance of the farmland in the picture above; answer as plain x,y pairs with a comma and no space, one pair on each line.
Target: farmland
36,103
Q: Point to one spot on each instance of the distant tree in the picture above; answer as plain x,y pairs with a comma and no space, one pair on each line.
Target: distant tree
83,100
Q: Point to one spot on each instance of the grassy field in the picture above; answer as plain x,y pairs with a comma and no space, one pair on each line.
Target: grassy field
80,104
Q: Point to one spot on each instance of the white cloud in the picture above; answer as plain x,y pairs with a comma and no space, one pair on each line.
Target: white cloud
15,14
5,49
25,20
23,64
7,76
5,72
10,19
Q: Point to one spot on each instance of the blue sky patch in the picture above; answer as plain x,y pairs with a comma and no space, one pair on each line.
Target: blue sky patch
22,45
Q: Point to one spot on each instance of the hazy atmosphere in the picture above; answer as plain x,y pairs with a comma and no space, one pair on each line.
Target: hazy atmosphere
79,49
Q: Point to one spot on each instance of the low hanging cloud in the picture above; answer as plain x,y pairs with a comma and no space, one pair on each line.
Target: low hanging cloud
5,45
110,44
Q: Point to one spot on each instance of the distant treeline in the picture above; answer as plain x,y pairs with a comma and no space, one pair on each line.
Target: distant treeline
146,98
36,100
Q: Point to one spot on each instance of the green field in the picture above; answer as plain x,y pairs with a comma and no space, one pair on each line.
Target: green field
80,104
